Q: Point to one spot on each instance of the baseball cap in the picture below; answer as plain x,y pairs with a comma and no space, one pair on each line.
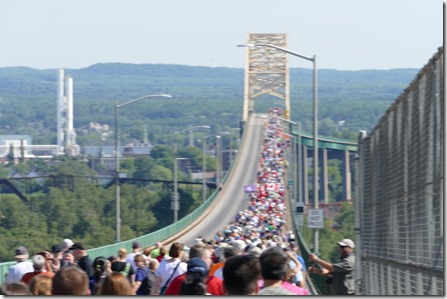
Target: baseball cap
346,242
21,253
197,265
77,245
56,248
136,244
67,243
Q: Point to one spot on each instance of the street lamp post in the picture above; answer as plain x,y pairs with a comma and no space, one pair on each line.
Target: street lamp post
204,162
219,164
315,108
204,170
191,132
218,159
175,154
175,197
238,131
117,164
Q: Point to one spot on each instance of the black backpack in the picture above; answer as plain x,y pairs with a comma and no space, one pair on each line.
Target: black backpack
149,281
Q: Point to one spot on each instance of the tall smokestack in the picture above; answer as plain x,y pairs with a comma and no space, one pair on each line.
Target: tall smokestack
71,148
69,95
60,109
66,136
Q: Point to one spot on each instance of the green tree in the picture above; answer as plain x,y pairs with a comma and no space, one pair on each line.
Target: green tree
340,228
161,151
147,168
128,166
4,172
70,167
10,155
22,169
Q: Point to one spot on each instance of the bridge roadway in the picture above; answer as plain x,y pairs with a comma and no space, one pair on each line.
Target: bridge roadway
231,199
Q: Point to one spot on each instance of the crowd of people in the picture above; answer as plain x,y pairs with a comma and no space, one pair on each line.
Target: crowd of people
254,254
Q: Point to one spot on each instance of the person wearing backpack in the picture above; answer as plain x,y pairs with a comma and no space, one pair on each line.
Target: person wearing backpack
123,267
151,276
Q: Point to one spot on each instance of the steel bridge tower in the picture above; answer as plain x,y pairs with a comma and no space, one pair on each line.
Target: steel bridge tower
266,71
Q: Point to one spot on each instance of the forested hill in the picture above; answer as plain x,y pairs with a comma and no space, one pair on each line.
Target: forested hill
201,96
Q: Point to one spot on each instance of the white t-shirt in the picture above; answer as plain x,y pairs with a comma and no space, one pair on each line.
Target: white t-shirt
16,272
166,268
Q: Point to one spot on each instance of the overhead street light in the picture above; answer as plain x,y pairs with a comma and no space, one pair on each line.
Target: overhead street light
117,164
313,59
191,133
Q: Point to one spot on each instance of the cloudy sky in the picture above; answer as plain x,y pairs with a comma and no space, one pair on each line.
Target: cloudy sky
344,34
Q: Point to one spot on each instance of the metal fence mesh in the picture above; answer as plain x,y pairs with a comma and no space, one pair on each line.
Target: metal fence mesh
399,229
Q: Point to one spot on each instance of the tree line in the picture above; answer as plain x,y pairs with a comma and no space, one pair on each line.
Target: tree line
201,96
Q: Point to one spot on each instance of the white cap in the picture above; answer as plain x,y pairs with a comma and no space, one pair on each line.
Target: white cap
239,245
346,242
67,243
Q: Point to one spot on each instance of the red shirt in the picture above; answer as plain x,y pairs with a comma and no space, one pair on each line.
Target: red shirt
214,285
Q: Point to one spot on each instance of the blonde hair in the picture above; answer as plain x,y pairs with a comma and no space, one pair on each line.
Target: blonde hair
153,264
122,253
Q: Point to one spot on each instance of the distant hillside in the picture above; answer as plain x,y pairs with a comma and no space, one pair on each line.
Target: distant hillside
201,96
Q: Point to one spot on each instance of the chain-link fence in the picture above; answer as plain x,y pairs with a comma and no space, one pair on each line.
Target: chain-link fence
399,186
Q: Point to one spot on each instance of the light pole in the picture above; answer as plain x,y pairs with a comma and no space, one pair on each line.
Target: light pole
204,170
204,163
175,198
238,131
219,164
315,108
218,160
175,155
117,164
191,136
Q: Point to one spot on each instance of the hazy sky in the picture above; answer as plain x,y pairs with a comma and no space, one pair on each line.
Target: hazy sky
344,34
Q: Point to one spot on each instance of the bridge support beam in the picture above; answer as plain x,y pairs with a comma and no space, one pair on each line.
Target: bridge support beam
324,180
305,177
346,176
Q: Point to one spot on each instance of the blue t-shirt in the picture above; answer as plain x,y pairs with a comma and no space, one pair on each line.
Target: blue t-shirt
141,275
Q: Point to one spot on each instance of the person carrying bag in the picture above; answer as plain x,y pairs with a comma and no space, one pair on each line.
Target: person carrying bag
165,273
163,288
